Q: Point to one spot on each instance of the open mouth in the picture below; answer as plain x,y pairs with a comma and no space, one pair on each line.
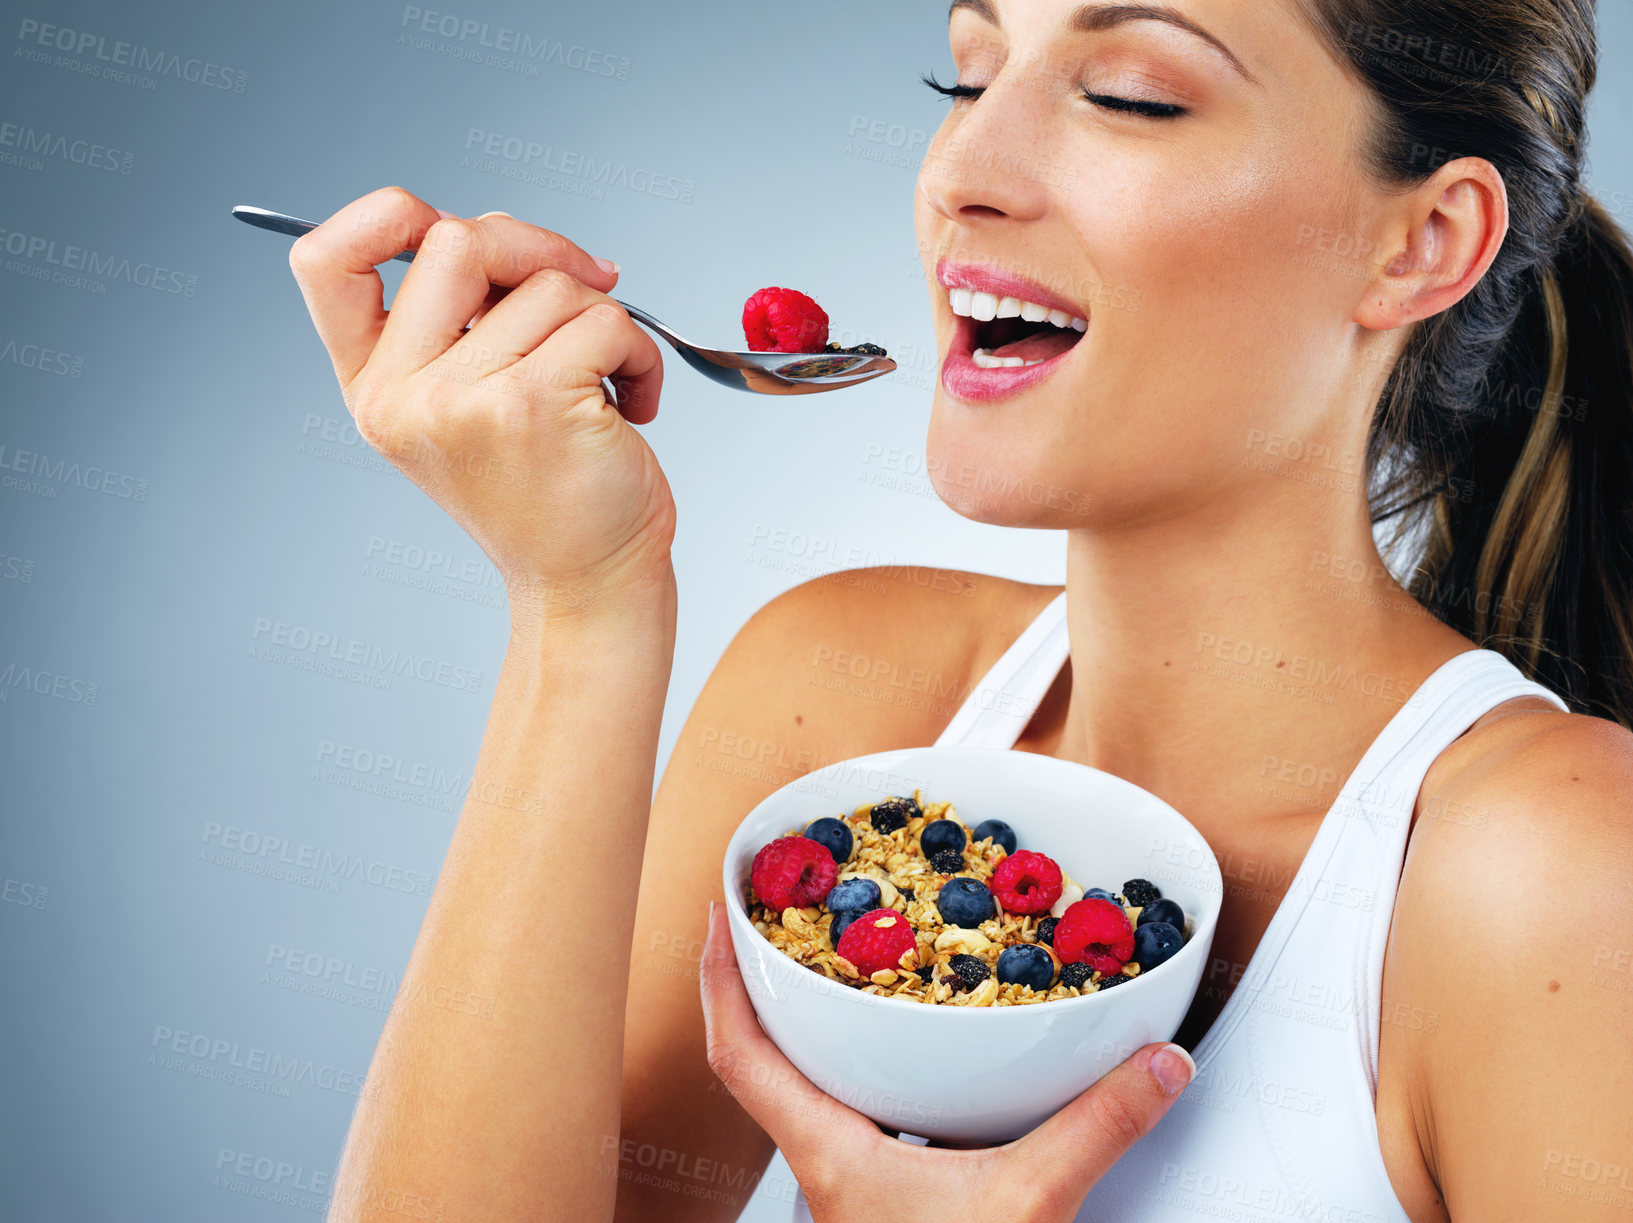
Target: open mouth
1013,332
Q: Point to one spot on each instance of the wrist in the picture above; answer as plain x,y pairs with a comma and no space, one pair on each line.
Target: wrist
548,613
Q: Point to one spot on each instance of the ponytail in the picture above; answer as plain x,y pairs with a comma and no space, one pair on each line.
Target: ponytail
1502,446
1530,543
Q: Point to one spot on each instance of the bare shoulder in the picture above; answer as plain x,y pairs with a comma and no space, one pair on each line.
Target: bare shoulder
882,656
853,662
1507,1026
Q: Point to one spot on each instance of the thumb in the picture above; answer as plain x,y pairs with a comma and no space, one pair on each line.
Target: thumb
1078,1145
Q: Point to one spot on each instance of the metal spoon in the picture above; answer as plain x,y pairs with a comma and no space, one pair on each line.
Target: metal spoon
769,373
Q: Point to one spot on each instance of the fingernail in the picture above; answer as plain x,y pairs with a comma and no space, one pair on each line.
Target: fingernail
495,213
606,265
444,215
1172,1067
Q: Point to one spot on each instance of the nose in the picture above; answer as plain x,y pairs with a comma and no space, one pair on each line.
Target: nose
990,165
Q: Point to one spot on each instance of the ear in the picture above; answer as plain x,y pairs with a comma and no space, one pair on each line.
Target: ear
1447,230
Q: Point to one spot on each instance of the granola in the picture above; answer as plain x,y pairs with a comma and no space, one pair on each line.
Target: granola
910,885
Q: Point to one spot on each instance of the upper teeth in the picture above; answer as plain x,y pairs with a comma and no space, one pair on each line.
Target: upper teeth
983,307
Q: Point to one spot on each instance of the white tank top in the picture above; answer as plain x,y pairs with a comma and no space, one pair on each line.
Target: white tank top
1280,1122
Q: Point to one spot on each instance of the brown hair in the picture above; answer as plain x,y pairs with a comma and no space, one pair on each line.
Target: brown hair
1505,432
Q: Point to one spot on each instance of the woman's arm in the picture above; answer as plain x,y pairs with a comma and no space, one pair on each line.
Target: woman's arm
1508,986
494,1092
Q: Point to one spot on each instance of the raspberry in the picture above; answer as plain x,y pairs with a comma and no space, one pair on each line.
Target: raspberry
877,940
793,872
784,320
1096,933
1027,882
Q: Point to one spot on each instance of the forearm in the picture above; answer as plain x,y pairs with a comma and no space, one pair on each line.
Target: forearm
495,1086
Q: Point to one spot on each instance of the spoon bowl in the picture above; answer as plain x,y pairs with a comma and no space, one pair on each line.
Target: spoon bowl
767,373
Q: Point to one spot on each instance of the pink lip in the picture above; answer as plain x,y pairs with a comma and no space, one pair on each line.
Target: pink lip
984,279
960,375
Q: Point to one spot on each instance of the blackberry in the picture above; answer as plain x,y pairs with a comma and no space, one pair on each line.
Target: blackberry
1075,975
1046,930
1116,978
971,970
1140,892
893,813
862,350
926,972
948,861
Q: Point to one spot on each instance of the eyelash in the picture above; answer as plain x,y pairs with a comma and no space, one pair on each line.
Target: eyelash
1132,106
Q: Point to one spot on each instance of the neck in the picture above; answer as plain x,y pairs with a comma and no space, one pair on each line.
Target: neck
1253,652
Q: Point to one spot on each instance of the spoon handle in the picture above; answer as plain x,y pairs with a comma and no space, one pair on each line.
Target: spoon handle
641,316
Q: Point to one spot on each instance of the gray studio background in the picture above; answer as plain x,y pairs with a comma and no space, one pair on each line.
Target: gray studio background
192,502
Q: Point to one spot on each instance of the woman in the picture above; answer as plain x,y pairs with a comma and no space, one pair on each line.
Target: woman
1313,241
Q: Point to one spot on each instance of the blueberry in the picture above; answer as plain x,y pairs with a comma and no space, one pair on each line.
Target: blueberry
1154,943
1101,894
1075,975
1116,978
1163,911
1046,930
948,861
1024,964
1140,892
853,896
971,970
833,835
893,813
842,919
965,902
942,834
1000,832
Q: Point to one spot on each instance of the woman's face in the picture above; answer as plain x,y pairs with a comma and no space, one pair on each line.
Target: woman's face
1216,252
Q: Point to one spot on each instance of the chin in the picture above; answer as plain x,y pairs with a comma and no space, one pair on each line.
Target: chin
997,478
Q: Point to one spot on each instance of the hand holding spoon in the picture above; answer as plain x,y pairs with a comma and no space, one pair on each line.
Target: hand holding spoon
769,373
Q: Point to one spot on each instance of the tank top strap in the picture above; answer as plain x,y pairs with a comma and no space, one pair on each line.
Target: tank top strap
1353,864
1374,815
1003,701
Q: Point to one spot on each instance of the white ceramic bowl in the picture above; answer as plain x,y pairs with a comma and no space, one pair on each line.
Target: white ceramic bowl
979,1074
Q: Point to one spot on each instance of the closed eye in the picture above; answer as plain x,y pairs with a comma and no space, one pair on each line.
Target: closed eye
1132,106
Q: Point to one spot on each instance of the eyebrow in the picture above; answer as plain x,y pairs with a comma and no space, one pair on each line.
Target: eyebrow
1094,17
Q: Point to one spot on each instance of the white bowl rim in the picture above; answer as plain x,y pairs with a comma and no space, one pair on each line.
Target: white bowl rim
738,913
